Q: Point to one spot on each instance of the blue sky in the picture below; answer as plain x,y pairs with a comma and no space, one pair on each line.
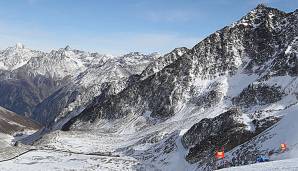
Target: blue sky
120,26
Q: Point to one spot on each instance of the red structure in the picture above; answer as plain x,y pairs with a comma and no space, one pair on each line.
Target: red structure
220,154
283,147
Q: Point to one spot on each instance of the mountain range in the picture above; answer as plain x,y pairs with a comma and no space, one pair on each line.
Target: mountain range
236,89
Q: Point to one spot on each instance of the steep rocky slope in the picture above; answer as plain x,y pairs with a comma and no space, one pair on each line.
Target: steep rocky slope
106,78
251,46
250,65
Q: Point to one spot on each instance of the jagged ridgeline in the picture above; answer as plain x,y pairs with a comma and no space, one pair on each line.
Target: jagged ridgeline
49,86
260,45
239,75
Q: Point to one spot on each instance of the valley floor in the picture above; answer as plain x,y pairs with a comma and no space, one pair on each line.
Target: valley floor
65,151
41,160
156,147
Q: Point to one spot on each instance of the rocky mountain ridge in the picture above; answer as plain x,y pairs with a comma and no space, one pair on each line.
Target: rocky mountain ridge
250,65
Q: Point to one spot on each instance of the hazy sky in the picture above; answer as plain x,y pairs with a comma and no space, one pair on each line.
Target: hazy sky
120,26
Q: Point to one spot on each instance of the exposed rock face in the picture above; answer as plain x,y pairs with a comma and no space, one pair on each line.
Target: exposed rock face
23,93
227,130
210,97
47,112
287,63
10,122
163,61
258,94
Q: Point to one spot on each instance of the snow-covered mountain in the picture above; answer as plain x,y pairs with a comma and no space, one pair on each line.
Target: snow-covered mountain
15,57
63,62
31,79
237,88
250,65
102,79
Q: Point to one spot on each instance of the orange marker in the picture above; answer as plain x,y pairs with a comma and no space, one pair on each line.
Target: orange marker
283,147
220,154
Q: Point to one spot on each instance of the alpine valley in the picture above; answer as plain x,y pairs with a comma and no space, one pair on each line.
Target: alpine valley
238,88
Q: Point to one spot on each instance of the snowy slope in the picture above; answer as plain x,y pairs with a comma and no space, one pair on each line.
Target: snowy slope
280,165
5,140
284,131
12,128
44,160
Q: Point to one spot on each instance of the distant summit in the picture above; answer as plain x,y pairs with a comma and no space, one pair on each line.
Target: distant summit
67,48
20,46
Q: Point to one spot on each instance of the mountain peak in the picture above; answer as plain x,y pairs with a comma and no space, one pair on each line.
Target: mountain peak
67,48
261,14
262,6
19,46
134,54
